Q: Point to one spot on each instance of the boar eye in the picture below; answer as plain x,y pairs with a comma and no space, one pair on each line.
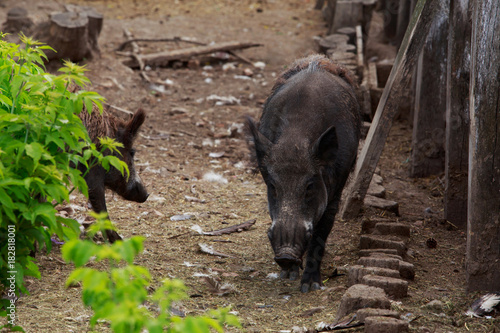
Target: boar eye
310,189
272,189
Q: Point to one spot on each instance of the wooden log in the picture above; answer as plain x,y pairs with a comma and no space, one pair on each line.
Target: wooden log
343,57
355,192
349,32
72,34
329,15
404,11
483,241
360,58
457,113
427,154
350,13
17,20
161,59
390,12
95,24
332,42
344,48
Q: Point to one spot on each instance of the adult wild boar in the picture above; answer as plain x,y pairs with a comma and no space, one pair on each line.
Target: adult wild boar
98,179
306,145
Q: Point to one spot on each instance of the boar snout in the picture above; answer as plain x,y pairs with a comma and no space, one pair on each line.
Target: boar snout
287,261
136,191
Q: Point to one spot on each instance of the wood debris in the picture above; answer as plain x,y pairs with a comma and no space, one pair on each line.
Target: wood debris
162,59
217,288
210,250
228,230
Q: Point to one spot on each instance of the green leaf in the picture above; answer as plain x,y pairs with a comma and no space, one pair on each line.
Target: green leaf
6,101
79,252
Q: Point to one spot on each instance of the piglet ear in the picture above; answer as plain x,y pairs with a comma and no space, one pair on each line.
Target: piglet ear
132,126
326,146
262,144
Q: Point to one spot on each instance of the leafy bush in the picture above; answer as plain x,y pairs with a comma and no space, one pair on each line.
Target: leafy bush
119,295
42,139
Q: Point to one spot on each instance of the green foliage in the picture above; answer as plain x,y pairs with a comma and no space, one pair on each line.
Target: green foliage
120,295
42,139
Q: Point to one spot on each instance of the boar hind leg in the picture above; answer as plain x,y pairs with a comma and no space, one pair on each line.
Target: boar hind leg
95,181
311,278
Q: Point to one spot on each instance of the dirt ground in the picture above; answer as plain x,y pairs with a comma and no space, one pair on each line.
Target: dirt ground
187,135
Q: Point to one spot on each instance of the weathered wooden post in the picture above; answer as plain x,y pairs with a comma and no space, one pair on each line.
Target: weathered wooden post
483,222
427,157
424,14
404,12
457,113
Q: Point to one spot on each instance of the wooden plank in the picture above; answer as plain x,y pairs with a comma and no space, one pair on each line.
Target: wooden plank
457,113
163,58
427,147
483,234
423,15
359,50
329,13
404,11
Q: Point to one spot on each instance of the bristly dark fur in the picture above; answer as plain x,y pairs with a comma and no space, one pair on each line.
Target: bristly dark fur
314,62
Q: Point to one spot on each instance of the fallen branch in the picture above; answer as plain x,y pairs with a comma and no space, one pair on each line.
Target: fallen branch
120,109
135,54
215,287
154,40
229,230
161,59
210,250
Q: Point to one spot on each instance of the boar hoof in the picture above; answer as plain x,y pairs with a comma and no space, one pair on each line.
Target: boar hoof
310,286
294,275
284,274
315,286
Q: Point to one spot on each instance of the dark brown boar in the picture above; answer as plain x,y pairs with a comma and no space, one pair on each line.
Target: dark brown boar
98,179
306,145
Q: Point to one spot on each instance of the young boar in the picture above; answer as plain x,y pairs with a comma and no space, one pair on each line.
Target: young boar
306,145
106,125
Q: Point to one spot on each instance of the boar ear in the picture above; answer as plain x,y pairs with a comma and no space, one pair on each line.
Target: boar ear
262,144
326,147
132,126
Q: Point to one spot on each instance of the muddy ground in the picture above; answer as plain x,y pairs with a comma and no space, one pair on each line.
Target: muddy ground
187,135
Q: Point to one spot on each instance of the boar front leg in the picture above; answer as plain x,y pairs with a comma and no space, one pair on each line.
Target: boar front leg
311,278
95,183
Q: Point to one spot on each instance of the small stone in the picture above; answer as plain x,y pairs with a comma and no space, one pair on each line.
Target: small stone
435,305
385,255
361,296
355,273
376,190
369,252
406,270
370,312
385,325
388,228
379,242
389,205
394,287
389,263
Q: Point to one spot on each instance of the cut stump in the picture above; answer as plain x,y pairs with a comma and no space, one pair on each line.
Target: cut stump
72,34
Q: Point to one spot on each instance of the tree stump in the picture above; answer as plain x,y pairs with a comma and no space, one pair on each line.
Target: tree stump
332,42
17,20
72,34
